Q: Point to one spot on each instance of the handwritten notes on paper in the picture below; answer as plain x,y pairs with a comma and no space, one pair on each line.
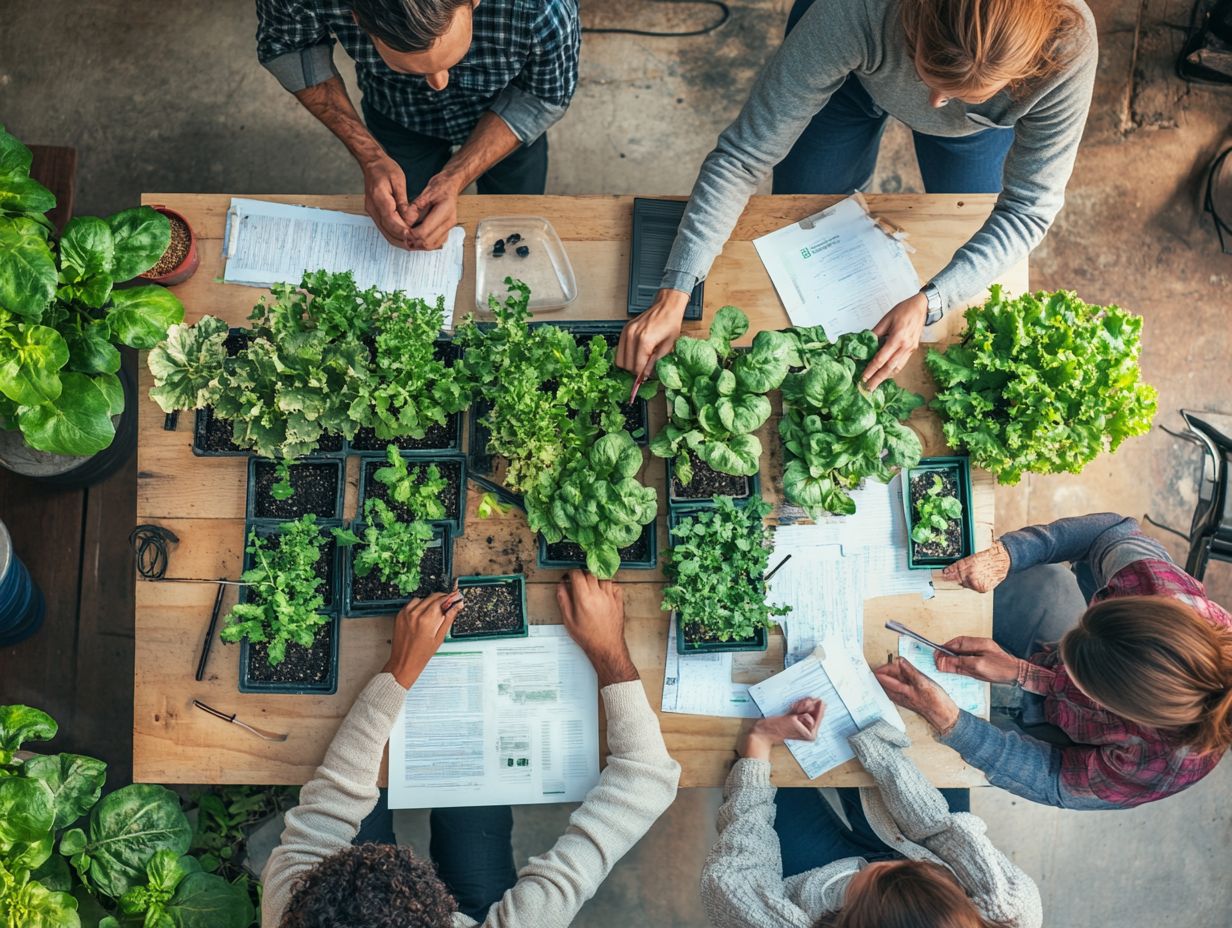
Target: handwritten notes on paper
701,684
967,692
826,593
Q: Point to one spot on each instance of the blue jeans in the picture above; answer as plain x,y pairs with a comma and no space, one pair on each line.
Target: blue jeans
811,835
471,848
837,151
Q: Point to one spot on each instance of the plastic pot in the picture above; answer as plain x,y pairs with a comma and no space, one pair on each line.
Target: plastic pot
259,464
465,583
188,264
682,503
960,468
450,441
22,606
370,464
267,528
759,641
650,536
353,608
326,687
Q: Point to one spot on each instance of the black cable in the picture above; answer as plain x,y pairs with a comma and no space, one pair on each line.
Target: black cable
724,16
151,545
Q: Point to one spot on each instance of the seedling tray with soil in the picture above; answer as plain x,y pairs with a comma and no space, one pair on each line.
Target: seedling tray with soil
692,640
706,485
959,541
452,469
643,554
447,437
495,608
318,486
327,565
306,671
371,595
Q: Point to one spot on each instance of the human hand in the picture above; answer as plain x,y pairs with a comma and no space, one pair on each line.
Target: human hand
909,688
419,629
800,724
981,571
385,199
981,658
436,212
652,335
900,328
594,614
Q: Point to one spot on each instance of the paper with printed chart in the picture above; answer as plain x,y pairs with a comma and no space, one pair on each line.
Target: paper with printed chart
511,721
967,692
840,268
825,591
266,243
853,697
701,684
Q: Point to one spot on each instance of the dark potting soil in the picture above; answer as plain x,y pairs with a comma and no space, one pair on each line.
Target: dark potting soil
214,434
572,551
324,565
493,607
450,470
301,665
436,437
371,589
316,491
708,483
696,634
921,483
176,251
235,343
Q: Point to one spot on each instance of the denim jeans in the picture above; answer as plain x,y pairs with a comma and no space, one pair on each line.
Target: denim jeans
812,835
421,157
472,849
837,151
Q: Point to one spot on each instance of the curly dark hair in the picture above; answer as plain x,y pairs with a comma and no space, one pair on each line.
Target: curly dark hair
374,885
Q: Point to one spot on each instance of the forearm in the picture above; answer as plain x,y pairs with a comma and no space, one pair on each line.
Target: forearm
1090,539
490,141
1021,765
328,101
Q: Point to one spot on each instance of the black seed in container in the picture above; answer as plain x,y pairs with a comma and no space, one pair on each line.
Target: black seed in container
498,249
513,239
523,251
499,243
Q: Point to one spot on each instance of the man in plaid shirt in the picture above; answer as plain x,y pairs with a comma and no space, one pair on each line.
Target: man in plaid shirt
1085,756
487,77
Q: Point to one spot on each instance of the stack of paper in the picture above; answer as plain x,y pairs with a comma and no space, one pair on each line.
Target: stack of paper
701,684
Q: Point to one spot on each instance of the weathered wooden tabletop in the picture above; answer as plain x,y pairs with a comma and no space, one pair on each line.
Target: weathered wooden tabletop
202,501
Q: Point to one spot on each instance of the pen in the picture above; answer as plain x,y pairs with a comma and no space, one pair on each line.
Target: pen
209,633
902,629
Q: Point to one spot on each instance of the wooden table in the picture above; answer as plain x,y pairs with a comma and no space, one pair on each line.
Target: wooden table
202,501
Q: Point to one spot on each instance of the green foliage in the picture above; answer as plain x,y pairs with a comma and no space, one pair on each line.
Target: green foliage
934,512
60,316
596,501
284,591
835,432
322,357
419,489
282,488
390,546
716,567
1041,383
127,850
716,396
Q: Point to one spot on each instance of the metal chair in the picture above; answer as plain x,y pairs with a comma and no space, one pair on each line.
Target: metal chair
1210,532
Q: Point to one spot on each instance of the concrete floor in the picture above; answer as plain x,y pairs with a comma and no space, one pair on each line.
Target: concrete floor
169,97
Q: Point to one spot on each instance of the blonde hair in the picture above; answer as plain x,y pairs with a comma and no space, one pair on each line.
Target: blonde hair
964,46
909,894
1155,661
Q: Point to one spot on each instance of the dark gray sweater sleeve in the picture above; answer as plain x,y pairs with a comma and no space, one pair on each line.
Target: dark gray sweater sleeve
1103,542
294,44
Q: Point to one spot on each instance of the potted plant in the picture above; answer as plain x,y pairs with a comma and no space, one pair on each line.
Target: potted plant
392,561
716,572
282,490
434,487
706,485
716,398
66,405
287,617
937,503
179,259
418,407
69,857
836,434
22,606
495,608
1041,383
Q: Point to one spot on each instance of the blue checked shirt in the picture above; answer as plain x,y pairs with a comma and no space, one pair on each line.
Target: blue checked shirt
522,64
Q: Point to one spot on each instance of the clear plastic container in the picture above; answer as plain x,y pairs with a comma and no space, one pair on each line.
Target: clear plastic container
546,270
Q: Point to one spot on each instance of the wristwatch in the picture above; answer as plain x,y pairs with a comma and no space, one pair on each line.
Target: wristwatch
935,309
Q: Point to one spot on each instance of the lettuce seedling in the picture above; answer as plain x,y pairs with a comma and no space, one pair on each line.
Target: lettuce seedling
1041,383
419,489
716,396
390,546
837,433
934,513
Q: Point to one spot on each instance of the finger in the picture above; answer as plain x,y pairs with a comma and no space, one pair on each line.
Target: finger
434,226
967,644
564,599
882,328
879,361
890,365
388,216
623,346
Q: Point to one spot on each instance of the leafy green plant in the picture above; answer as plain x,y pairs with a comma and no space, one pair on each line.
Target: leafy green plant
935,511
61,319
1041,383
127,851
596,501
835,432
390,546
419,489
716,396
284,591
282,488
716,569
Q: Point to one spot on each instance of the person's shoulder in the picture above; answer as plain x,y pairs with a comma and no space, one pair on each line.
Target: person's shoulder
1079,44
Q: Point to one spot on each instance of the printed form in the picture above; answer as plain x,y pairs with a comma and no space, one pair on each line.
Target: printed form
826,593
701,684
967,692
510,721
839,268
266,243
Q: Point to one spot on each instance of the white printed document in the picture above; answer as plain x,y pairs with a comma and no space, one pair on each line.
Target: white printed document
826,593
266,243
839,268
508,721
967,692
701,684
853,697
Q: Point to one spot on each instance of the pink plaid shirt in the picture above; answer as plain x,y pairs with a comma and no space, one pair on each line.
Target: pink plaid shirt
1113,759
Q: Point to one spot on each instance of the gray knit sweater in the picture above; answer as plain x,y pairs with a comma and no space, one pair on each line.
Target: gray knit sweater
865,37
638,783
743,885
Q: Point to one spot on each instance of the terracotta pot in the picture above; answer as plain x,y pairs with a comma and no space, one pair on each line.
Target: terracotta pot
187,267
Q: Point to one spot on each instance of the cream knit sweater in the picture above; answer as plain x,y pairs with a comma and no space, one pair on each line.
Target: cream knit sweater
743,885
637,785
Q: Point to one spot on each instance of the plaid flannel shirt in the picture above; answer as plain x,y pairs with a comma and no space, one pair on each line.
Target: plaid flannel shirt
522,64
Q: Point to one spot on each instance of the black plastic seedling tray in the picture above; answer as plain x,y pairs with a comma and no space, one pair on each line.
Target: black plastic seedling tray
682,504
353,608
465,583
326,687
655,223
650,536
961,468
266,528
369,464
258,465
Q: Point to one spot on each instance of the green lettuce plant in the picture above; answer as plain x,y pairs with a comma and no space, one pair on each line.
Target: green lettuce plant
716,396
1041,383
61,318
935,511
68,858
419,489
835,432
392,547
